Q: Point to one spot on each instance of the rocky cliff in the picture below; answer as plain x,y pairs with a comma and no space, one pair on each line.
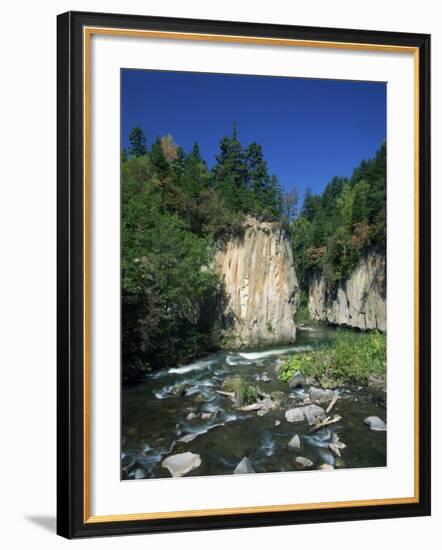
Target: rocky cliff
260,286
359,302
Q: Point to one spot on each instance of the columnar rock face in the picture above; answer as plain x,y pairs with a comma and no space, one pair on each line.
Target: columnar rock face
260,285
359,302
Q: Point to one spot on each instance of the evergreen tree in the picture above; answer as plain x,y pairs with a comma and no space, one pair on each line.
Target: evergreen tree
158,159
290,202
333,230
230,173
311,204
137,141
260,184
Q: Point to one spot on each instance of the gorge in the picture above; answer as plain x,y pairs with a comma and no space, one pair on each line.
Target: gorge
262,291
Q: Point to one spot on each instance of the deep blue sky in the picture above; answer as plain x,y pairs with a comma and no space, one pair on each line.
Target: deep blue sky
310,130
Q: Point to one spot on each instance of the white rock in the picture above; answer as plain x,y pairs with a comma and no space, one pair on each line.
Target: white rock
312,412
294,415
295,442
244,467
376,424
325,467
182,463
302,462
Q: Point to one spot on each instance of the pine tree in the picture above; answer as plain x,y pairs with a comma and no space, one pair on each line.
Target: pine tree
158,159
230,174
266,194
137,141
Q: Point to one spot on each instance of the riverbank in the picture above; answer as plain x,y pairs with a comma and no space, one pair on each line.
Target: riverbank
352,359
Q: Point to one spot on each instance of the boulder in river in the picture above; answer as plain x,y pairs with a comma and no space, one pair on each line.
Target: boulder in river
295,442
302,462
244,467
312,413
297,381
232,383
321,396
181,464
294,415
376,424
325,466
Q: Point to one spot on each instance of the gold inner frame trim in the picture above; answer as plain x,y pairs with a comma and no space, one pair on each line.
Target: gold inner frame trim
88,32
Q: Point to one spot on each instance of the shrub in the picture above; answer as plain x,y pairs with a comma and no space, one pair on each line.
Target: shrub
249,393
352,358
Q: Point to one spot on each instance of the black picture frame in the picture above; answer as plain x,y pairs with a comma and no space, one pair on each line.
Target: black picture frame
71,519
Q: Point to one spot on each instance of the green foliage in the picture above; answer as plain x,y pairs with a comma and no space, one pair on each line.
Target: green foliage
174,211
169,294
353,358
137,141
241,178
248,393
302,314
334,229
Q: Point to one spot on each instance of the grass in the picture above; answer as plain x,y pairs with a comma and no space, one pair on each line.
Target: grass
352,358
248,393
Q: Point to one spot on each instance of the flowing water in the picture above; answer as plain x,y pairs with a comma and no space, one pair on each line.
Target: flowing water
156,416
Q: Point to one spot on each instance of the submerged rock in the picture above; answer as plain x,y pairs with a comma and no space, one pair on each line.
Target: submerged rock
244,467
295,442
187,438
139,474
181,464
302,462
232,383
375,424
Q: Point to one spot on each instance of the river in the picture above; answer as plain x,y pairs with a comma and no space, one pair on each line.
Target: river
172,404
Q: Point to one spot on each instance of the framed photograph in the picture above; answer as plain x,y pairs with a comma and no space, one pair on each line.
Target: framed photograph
243,274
